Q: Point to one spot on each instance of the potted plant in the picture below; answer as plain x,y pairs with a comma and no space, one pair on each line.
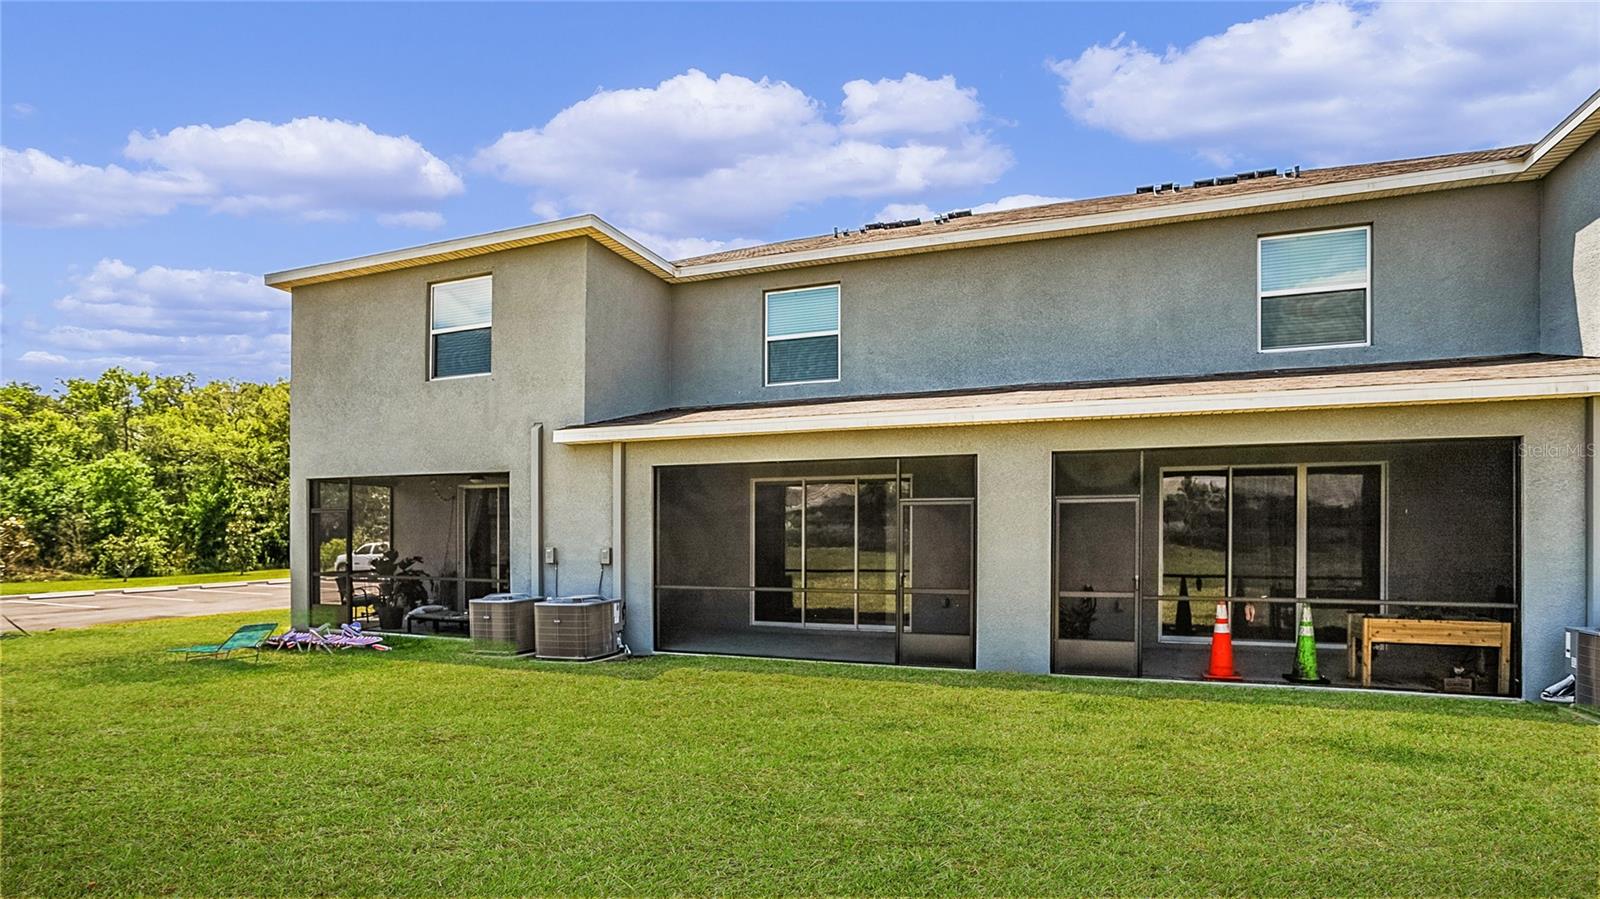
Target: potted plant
400,588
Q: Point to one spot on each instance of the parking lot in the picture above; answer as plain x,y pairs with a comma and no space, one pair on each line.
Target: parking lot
52,611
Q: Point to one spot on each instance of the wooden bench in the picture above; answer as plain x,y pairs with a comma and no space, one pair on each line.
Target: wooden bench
1428,632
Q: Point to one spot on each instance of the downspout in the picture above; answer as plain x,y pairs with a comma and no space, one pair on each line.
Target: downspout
1591,453
618,531
536,507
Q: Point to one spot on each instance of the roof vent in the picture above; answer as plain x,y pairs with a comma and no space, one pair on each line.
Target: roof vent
1145,189
884,226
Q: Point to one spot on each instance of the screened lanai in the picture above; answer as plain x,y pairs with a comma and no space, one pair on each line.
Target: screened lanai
407,553
862,560
1406,553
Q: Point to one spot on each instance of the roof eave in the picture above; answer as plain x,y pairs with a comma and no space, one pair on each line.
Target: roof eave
1298,399
586,225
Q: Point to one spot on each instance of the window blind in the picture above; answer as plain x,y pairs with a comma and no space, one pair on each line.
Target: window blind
803,359
803,335
804,311
459,317
1314,289
458,304
1300,320
1308,262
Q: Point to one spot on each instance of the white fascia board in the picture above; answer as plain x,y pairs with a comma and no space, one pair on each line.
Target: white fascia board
1289,195
578,224
1580,116
1490,389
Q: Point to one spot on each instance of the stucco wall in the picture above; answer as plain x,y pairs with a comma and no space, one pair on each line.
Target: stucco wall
1569,255
1455,273
627,368
1014,502
363,404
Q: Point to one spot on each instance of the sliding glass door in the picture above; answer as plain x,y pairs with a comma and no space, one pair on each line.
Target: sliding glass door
1265,536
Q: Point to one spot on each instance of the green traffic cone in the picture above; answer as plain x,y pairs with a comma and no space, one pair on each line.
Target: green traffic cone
1305,650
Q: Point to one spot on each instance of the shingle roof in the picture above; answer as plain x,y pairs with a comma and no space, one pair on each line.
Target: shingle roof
1118,203
1480,379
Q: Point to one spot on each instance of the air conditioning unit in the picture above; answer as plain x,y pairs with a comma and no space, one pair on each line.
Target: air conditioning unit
502,623
1583,653
578,628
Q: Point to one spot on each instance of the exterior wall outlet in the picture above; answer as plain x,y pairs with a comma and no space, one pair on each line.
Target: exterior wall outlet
605,555
550,555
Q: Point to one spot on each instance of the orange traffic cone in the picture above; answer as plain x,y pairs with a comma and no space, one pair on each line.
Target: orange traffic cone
1222,648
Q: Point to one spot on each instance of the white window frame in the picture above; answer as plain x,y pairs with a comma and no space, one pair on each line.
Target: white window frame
434,332
767,340
1365,285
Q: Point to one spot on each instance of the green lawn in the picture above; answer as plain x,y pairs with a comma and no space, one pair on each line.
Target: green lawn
428,770
12,588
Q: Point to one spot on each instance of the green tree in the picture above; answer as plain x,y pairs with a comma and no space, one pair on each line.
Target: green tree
181,474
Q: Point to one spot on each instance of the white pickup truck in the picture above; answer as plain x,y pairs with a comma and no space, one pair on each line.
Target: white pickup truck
361,559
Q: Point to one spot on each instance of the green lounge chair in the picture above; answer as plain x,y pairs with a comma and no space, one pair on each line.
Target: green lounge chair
251,636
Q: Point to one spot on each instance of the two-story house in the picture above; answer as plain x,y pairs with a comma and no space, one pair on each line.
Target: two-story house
1049,439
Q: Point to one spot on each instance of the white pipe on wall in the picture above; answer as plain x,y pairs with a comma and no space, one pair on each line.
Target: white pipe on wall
536,507
1592,469
618,504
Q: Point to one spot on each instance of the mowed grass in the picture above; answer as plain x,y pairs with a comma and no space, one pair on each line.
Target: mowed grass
428,770
14,588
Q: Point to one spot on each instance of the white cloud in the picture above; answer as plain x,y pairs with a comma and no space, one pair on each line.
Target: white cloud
313,168
416,218
697,154
1338,81
685,247
909,105
40,357
213,323
40,189
895,212
901,211
22,110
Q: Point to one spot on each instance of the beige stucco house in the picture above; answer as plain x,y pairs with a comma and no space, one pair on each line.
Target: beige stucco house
1045,440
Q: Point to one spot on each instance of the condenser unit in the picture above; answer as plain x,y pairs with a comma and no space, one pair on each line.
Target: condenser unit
1583,654
578,628
502,623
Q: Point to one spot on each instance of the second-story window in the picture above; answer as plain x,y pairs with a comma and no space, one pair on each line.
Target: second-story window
1315,290
460,314
802,335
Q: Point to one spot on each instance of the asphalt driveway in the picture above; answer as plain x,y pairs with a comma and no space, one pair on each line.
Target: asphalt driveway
42,612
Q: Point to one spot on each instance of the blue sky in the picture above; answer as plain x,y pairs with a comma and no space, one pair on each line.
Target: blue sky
159,158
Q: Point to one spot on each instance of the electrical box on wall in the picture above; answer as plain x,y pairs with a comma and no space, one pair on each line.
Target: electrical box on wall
605,555
550,555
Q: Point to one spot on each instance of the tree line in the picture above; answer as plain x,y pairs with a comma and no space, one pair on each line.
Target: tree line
133,474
